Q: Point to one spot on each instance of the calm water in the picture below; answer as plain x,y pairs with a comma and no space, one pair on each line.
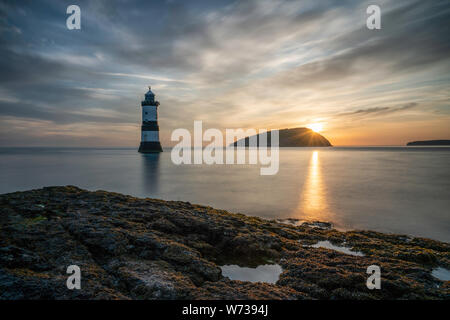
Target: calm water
269,273
401,190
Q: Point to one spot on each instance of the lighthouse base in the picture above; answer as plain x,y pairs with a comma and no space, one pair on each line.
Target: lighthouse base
150,147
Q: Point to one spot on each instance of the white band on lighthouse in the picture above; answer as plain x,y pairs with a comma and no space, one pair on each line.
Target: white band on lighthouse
150,136
149,113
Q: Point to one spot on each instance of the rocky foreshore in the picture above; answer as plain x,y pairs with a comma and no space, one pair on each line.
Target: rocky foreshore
131,248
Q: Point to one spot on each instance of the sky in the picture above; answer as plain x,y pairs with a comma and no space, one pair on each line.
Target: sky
262,64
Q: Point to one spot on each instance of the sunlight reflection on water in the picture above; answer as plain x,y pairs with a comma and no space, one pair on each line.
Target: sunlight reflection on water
313,200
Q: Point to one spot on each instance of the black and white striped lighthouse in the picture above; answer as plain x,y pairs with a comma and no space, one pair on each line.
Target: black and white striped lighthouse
150,129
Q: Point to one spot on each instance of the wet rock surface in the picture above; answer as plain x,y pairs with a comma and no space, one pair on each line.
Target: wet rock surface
131,248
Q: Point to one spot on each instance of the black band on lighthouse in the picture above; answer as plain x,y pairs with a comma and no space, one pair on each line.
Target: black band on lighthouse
150,126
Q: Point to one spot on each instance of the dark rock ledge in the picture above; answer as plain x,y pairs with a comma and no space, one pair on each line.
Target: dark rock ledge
130,248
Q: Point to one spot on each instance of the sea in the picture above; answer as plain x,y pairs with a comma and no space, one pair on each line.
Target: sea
402,190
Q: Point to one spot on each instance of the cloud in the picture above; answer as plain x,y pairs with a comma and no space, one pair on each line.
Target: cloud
142,76
256,63
377,111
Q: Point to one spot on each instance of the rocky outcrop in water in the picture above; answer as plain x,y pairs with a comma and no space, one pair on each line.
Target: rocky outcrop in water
295,137
131,248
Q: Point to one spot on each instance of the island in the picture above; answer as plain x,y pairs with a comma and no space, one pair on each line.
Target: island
133,248
429,143
293,137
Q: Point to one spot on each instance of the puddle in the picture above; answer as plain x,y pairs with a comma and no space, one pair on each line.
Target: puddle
441,273
269,273
328,245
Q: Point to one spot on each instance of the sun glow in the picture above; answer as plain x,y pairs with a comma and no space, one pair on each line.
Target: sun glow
316,127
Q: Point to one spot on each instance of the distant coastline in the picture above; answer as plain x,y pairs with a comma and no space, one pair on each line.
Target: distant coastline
429,143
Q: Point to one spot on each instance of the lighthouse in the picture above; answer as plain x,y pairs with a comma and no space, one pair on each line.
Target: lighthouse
150,129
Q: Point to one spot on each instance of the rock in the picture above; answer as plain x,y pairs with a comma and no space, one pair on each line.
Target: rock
154,280
130,248
293,137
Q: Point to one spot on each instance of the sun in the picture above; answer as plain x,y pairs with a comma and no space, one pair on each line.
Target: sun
316,127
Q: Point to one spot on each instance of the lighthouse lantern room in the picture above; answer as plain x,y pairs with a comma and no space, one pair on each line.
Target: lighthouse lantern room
150,129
